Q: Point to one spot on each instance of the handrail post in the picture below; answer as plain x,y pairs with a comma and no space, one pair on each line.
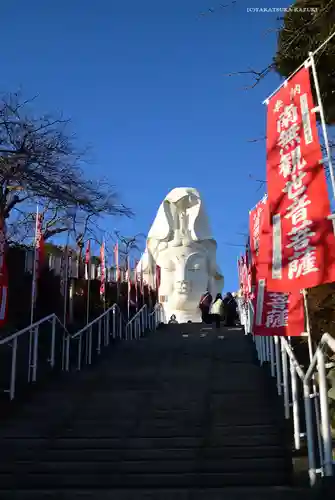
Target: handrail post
107,332
99,338
285,380
13,370
67,353
30,349
267,348
35,354
53,339
114,323
90,345
257,346
278,366
79,351
264,339
272,357
295,406
325,420
309,434
261,345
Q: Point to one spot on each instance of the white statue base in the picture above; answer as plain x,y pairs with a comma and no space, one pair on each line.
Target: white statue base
181,244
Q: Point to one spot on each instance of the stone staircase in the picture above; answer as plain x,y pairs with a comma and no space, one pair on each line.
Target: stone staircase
179,414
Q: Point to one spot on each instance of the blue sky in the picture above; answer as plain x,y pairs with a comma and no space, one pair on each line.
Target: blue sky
144,84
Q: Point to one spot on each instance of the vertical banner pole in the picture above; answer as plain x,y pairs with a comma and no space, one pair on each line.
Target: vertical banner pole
33,286
88,270
323,121
88,293
308,325
33,296
129,287
66,280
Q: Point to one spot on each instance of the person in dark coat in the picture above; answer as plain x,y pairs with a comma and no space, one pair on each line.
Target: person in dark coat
231,309
204,306
173,320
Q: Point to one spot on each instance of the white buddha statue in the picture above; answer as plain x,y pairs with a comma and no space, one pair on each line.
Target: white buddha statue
181,244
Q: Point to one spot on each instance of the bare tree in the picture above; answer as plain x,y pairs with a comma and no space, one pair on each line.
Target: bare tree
39,163
128,245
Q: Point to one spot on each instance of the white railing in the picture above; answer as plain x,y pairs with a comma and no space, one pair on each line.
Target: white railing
34,342
156,317
143,320
65,349
137,325
288,373
94,336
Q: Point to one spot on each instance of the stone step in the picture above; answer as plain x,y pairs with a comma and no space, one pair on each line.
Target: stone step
95,454
143,430
141,442
163,466
147,432
265,493
257,424
142,480
191,421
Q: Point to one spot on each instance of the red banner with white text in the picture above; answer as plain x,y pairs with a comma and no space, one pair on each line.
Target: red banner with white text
303,242
278,313
260,241
275,313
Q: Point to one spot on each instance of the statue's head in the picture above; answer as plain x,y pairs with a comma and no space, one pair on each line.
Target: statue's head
185,272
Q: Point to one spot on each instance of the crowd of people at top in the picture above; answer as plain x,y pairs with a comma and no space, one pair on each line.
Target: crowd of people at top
220,310
223,310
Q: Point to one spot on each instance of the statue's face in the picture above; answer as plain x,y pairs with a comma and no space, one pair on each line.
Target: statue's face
184,276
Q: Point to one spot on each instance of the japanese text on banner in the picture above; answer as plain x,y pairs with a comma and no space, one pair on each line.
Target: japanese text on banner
278,313
298,197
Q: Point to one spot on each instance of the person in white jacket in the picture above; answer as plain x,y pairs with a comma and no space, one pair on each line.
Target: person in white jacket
217,310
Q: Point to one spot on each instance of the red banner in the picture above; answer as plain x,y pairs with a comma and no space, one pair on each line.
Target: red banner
260,242
303,242
116,261
88,260
39,254
102,271
244,272
278,313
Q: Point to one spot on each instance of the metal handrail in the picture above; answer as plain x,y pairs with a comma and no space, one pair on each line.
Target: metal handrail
137,325
144,319
110,324
104,332
95,321
156,316
27,329
12,341
277,351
